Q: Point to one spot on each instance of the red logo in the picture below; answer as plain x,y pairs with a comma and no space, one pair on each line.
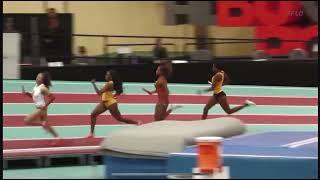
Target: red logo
282,20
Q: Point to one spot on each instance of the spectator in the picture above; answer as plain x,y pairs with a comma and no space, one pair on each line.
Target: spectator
298,53
82,57
314,52
53,20
159,51
312,47
259,54
53,40
82,51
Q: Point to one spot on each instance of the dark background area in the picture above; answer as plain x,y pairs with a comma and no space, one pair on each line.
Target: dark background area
63,38
242,72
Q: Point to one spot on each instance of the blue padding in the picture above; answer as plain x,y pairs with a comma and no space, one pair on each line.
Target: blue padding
128,165
256,156
272,168
271,151
265,151
244,167
270,139
181,163
259,156
268,144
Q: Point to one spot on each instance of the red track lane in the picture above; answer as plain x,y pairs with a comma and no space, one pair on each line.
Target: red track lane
16,148
48,152
44,143
181,99
73,120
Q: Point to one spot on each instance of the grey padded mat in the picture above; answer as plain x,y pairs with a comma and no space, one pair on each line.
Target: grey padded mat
164,137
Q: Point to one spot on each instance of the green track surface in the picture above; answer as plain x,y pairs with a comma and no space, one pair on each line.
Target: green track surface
86,108
135,88
104,130
97,172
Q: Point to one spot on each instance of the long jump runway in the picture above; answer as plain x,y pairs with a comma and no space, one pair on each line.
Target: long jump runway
278,109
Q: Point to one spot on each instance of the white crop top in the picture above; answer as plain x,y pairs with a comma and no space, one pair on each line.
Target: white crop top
37,96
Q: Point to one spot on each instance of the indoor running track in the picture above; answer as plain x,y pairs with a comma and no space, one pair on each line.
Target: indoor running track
278,109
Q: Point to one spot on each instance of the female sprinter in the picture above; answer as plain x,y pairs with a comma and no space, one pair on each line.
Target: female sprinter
40,115
164,70
219,79
108,101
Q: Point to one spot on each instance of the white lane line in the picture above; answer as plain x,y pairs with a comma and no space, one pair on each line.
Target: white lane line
53,82
268,156
38,150
74,126
199,114
301,143
172,114
129,125
148,104
178,94
250,155
64,138
172,84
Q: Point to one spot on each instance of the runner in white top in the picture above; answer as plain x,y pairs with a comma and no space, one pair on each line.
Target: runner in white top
37,95
39,116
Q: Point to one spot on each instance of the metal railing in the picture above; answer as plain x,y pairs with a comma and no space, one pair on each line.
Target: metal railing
107,38
185,45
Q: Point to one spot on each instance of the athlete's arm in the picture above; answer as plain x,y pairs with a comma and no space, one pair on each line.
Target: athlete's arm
227,79
116,95
216,78
205,90
149,92
160,83
26,93
51,97
164,84
99,91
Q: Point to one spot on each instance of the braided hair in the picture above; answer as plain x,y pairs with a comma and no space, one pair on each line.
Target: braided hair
117,82
46,79
166,68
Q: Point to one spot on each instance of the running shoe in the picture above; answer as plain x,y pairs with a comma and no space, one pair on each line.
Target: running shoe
90,135
250,103
57,142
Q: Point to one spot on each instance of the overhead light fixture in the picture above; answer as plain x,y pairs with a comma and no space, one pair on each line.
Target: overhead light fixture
260,59
179,61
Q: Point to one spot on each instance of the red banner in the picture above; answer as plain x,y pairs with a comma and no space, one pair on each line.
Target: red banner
225,17
277,13
272,20
281,33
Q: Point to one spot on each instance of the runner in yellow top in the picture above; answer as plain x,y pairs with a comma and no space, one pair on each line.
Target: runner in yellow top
107,96
108,101
219,79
